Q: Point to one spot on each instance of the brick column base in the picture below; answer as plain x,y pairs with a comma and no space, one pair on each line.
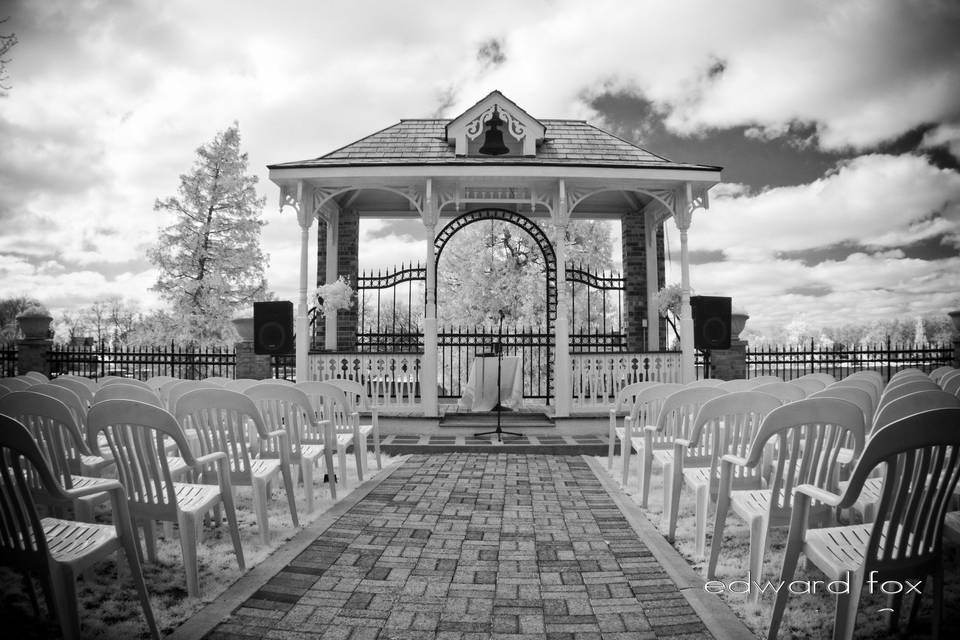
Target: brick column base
251,365
956,352
729,364
32,355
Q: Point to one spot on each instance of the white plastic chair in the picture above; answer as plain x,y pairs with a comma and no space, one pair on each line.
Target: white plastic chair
136,434
726,424
939,372
897,409
222,420
242,384
285,407
766,379
809,385
869,381
675,422
80,388
785,391
358,400
57,550
951,384
732,386
59,437
621,407
645,409
36,375
124,391
820,376
703,382
329,403
906,386
851,393
155,382
807,436
921,456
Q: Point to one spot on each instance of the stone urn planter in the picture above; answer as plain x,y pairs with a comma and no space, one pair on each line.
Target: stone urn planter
244,326
34,322
955,316
738,319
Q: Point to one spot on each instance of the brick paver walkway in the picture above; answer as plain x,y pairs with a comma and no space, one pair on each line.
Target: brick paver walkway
467,546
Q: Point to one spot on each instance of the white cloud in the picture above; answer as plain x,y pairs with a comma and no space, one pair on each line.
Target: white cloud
873,200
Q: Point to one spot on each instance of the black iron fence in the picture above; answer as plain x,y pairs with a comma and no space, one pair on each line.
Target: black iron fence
794,361
142,363
596,299
8,359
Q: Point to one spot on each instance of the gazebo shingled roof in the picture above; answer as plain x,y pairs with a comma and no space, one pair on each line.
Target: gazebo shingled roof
422,142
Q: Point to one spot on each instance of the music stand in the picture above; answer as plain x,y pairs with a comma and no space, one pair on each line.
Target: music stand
498,349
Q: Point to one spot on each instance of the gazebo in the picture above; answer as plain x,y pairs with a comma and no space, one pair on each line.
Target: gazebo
496,161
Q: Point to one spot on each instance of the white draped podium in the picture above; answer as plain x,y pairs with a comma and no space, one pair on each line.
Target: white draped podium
480,394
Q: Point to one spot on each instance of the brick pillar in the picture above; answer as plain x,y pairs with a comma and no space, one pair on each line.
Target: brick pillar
729,364
348,264
955,318
632,230
251,365
32,355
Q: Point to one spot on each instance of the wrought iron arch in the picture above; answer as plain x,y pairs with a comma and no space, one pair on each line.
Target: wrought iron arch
528,225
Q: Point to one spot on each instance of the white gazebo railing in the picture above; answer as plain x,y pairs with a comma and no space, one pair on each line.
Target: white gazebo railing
597,377
391,379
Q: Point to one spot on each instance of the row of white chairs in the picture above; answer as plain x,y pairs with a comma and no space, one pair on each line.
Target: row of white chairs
128,424
752,449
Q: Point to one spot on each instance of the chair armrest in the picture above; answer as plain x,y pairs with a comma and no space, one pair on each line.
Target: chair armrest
210,457
100,487
679,443
818,494
283,441
732,459
651,428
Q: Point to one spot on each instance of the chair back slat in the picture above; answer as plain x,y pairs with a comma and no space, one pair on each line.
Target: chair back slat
920,454
808,435
225,421
136,434
54,428
22,542
329,403
121,390
282,406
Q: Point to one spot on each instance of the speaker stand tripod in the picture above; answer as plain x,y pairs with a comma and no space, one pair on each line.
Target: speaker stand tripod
499,432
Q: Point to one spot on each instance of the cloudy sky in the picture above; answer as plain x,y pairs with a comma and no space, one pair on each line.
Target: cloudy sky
837,124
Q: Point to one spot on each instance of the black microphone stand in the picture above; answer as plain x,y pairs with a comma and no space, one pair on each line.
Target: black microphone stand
499,432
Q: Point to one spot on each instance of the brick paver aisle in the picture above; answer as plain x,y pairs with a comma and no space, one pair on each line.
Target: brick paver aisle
466,546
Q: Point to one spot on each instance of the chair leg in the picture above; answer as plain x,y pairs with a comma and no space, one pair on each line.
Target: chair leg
626,449
611,441
136,574
64,587
359,452
305,468
758,547
667,497
646,470
790,557
847,604
329,469
227,498
376,444
188,546
31,592
719,521
259,489
291,497
342,459
703,505
150,539
937,600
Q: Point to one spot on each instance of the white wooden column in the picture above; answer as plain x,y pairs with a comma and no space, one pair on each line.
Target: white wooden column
653,315
561,328
305,218
682,216
428,377
332,219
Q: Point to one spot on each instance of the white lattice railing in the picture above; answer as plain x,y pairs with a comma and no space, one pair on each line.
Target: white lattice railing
391,379
597,377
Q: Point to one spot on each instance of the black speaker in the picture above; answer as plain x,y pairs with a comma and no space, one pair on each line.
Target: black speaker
273,327
711,322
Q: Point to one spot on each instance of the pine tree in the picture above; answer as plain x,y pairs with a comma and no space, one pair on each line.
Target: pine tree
210,259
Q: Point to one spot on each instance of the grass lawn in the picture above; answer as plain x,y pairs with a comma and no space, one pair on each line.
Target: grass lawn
110,609
808,616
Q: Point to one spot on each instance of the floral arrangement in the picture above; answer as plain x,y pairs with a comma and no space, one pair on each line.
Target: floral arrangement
668,299
335,296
